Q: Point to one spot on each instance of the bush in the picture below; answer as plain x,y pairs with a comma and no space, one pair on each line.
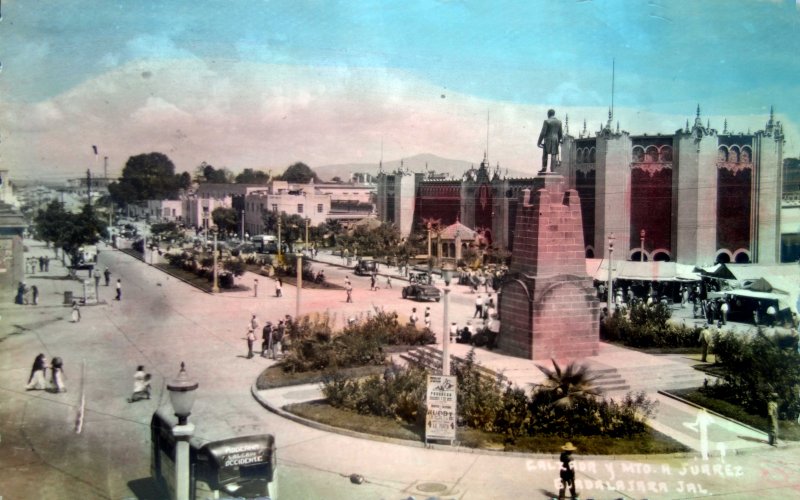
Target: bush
486,404
646,326
314,345
755,367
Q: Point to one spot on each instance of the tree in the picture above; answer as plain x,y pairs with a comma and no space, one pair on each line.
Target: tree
299,173
292,227
70,231
225,219
205,173
50,224
250,176
148,176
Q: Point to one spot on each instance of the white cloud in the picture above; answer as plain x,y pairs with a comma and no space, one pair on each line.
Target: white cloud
268,116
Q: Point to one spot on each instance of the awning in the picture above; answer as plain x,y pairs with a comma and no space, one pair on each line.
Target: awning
642,271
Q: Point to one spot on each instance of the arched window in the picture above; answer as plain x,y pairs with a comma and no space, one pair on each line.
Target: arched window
579,156
591,155
747,155
722,154
651,154
733,155
638,154
665,154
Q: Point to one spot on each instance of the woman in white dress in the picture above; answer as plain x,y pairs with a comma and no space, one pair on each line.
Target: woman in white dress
37,380
57,375
76,312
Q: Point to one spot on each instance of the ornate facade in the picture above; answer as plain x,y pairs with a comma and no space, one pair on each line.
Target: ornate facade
696,196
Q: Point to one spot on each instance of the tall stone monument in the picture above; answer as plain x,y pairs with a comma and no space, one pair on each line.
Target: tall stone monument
548,308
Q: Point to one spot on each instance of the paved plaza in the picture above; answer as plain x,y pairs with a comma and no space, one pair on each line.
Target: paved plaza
162,321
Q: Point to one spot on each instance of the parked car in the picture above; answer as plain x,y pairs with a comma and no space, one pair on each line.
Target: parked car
421,292
365,267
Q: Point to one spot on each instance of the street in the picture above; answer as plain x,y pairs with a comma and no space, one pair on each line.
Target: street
161,322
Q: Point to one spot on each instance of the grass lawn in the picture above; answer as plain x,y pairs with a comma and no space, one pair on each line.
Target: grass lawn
787,430
650,443
274,376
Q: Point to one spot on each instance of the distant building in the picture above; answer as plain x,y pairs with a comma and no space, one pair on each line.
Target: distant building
700,196
317,202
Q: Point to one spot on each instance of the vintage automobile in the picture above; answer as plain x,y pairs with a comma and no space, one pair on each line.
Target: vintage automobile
421,292
365,267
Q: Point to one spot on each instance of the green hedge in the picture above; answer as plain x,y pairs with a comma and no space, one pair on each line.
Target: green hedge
646,326
315,346
756,366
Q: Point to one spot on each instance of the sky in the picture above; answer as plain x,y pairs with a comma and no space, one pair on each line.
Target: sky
262,84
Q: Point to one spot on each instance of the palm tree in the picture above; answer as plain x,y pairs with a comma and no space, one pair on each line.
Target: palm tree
570,385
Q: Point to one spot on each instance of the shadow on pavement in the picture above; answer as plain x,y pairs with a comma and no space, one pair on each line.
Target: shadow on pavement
146,488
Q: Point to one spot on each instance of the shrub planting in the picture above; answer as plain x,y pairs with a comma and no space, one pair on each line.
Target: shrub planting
315,346
567,405
646,326
754,367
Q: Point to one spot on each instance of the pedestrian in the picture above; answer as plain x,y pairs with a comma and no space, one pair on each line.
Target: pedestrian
41,263
119,290
373,282
277,340
684,296
251,337
141,385
412,320
427,317
76,312
254,323
771,312
35,294
37,380
705,342
453,331
20,298
567,472
266,339
347,280
26,294
47,263
107,276
57,375
349,289
772,412
279,287
723,309
388,281
478,307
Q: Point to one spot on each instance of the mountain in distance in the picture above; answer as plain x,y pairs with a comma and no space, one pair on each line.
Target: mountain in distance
418,163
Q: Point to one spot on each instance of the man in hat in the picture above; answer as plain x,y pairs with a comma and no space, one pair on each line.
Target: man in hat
567,472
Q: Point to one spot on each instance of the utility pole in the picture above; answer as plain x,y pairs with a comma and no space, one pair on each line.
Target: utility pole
279,235
89,187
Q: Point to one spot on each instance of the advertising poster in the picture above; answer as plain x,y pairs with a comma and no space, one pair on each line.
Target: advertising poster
440,421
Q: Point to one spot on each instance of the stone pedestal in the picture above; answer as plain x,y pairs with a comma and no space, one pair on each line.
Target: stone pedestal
548,307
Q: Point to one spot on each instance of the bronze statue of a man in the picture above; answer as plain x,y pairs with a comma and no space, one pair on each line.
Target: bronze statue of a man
549,139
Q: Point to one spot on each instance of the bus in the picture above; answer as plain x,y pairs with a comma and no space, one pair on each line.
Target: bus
229,468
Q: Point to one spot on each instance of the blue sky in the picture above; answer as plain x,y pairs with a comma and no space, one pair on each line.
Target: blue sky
263,83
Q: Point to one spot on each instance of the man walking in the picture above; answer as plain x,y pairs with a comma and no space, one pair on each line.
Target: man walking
119,290
349,289
478,307
549,139
107,276
251,337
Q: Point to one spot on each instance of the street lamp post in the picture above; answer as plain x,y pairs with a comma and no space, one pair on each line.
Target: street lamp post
642,234
241,237
299,284
610,277
307,221
215,286
279,235
447,274
429,242
181,395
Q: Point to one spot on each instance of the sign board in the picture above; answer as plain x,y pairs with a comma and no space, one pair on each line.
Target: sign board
440,421
89,292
